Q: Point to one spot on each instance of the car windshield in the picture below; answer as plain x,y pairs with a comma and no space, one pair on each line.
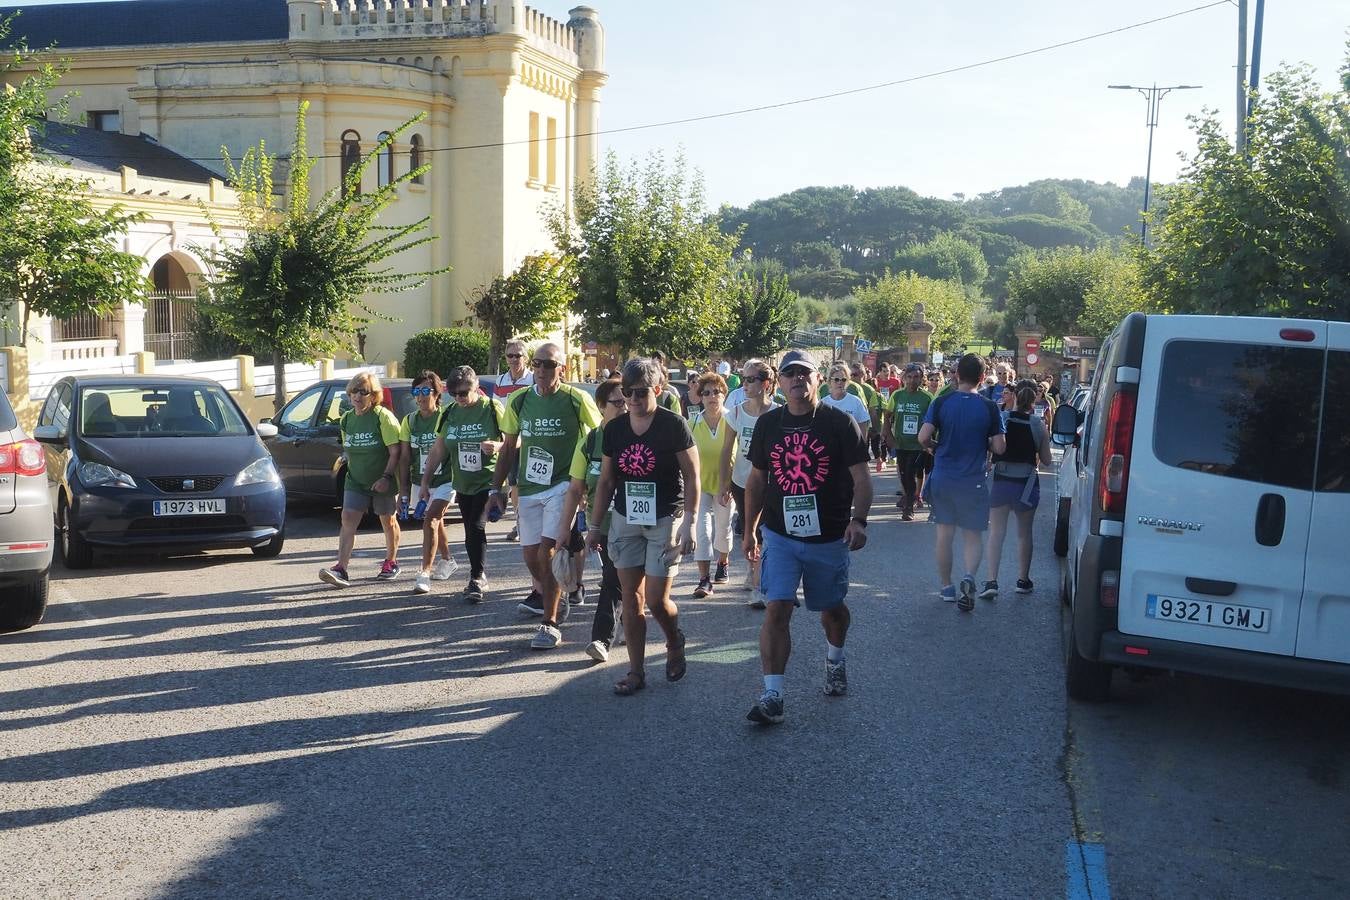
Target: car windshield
150,410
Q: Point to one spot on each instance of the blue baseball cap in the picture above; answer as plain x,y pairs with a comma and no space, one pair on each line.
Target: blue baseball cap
797,358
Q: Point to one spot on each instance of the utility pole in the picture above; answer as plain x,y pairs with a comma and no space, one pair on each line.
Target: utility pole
1241,133
1257,29
1154,97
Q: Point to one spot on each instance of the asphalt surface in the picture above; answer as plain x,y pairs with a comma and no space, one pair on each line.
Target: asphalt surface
217,725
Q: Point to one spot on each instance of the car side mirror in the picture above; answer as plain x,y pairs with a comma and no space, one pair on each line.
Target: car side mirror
266,430
49,434
1064,426
267,421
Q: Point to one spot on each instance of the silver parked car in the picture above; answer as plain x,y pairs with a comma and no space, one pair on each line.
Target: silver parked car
25,525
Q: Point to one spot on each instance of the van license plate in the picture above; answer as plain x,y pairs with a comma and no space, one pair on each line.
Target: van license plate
1205,612
212,507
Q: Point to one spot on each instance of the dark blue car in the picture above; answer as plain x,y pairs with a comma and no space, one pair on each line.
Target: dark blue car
159,464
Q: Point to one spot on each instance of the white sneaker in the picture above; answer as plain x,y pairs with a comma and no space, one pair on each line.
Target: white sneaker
443,569
597,651
749,583
423,583
758,600
564,608
546,638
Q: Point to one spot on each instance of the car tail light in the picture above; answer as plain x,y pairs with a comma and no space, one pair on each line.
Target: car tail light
22,458
1298,334
1115,476
1109,593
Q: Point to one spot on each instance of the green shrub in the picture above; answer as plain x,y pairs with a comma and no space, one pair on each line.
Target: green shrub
441,349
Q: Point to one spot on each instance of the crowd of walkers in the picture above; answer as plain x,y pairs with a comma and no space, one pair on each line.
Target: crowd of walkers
775,461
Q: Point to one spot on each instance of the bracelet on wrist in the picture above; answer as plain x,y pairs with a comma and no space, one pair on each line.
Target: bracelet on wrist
861,521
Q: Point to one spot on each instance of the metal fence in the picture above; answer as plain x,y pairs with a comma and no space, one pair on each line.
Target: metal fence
86,327
170,317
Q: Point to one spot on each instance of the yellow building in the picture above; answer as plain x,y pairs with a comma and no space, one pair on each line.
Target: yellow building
511,98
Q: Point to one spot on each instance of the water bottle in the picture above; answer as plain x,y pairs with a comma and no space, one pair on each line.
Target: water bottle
494,512
421,511
581,521
403,509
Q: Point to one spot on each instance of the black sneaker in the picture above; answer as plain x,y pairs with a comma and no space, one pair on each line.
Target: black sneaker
1024,585
577,597
532,605
720,576
704,588
768,710
966,601
474,592
990,590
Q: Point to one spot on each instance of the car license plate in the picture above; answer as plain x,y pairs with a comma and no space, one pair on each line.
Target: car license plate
1205,612
212,507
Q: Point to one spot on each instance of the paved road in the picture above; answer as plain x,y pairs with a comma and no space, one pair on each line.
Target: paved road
218,725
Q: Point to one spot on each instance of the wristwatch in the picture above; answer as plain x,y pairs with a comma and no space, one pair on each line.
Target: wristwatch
861,521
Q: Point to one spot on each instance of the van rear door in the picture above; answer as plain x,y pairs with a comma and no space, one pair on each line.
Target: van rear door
1220,486
1324,623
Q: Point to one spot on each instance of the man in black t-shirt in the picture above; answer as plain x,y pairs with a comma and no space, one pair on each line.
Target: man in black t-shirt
810,489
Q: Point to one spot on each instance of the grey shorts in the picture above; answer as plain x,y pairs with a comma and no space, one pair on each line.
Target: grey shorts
379,504
642,546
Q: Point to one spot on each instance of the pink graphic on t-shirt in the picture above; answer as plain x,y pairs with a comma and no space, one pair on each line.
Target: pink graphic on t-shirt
799,463
637,461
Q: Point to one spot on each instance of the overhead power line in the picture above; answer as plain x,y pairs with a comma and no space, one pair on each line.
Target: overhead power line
766,107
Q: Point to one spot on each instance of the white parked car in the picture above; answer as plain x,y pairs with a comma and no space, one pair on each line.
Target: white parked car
1209,503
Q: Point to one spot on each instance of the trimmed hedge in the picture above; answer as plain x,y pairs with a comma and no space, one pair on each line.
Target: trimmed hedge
441,349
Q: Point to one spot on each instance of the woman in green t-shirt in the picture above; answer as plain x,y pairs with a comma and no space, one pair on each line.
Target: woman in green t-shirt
417,437
370,446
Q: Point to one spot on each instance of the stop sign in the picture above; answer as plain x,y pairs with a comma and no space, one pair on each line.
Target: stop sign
1033,346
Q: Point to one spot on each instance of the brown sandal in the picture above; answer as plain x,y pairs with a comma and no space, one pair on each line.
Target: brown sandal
631,684
675,661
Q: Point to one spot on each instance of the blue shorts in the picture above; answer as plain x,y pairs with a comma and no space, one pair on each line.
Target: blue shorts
1022,494
820,569
963,504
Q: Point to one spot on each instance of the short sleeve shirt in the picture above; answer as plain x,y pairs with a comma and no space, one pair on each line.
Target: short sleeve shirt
966,422
464,430
850,404
908,410
650,458
586,463
506,385
743,429
886,387
366,440
808,457
550,429
419,433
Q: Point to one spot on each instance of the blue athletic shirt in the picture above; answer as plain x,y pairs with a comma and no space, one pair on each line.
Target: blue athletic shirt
965,423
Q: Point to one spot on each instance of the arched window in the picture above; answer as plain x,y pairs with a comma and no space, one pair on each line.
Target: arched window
385,164
415,158
351,160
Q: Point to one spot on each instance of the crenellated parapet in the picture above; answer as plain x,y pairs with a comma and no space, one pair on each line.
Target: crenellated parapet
336,20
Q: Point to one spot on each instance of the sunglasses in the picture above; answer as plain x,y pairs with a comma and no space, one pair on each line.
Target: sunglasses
635,393
514,355
360,393
709,393
463,394
545,364
423,391
615,401
749,378
839,379
795,372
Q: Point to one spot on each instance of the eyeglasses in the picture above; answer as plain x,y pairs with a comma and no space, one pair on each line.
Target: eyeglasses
615,401
463,394
712,393
838,379
635,393
360,393
545,364
423,391
795,372
514,355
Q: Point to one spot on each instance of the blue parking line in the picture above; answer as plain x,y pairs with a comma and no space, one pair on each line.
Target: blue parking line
1085,871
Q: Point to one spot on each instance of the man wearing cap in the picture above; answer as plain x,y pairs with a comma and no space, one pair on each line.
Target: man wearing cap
810,489
904,416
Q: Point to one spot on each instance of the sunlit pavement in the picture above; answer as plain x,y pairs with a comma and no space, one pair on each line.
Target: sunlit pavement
219,725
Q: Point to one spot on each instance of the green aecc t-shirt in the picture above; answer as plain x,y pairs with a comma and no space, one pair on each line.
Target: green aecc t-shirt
366,440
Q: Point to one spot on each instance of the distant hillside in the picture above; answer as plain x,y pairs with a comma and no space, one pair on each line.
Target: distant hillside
833,239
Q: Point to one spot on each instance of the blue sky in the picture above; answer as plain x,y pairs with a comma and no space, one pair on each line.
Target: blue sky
1047,115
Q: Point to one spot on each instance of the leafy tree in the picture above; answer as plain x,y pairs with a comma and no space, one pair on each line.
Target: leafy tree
297,286
813,311
652,267
1059,282
827,283
1042,232
947,258
816,255
59,253
763,315
1113,209
526,303
1117,291
441,349
1268,234
886,307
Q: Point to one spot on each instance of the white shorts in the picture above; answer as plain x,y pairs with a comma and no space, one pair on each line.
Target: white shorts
445,492
538,514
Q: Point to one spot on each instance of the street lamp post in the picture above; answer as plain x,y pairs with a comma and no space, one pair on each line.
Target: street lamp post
1154,97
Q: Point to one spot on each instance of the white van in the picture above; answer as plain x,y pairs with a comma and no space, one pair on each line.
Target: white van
1210,503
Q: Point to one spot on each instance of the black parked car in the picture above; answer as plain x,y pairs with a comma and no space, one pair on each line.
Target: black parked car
307,447
157,463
